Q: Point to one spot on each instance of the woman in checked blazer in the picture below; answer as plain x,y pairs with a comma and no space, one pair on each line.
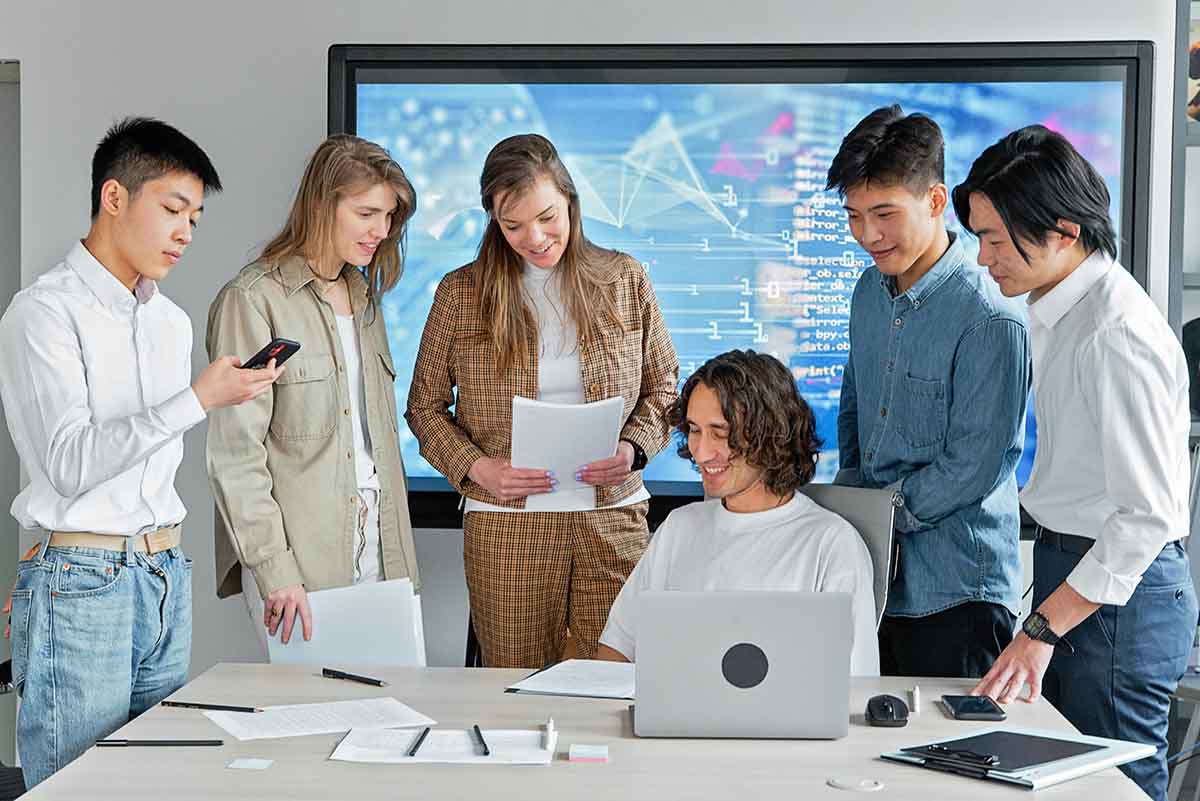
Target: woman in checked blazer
542,313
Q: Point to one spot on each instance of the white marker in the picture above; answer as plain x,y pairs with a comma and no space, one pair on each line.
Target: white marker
914,700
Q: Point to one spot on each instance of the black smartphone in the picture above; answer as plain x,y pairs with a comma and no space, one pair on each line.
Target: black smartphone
973,707
278,349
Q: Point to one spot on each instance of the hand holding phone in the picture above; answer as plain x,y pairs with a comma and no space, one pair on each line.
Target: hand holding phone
973,707
278,349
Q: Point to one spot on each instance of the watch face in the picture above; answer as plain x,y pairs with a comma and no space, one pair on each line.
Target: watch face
1034,625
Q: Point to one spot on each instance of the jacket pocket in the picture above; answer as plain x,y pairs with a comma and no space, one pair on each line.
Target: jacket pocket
306,399
921,411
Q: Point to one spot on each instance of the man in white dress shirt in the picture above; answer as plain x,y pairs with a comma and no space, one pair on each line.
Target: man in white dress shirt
753,439
95,377
1115,604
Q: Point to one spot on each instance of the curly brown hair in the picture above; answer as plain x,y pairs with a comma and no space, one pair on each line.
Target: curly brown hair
770,425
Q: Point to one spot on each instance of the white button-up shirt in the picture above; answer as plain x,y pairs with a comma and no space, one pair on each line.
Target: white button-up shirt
1110,389
96,385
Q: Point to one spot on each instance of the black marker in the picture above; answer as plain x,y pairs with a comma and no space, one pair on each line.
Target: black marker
482,742
330,673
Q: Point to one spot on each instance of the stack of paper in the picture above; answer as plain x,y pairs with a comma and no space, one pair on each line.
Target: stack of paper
298,720
374,623
457,746
563,437
587,678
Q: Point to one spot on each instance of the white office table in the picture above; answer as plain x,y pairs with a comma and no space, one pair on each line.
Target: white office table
651,769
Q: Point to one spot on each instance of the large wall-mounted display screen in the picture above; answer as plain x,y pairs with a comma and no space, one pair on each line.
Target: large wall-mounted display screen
711,173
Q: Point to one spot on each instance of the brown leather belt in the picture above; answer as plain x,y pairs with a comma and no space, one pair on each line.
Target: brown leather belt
152,542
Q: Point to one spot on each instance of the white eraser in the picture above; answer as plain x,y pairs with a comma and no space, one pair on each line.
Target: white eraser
588,753
246,763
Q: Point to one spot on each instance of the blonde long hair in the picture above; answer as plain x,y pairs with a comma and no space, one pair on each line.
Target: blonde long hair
586,271
345,165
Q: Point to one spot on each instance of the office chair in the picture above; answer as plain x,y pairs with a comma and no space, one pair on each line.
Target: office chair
872,514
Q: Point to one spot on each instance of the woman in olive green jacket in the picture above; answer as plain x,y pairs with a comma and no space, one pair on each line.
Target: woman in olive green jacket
309,487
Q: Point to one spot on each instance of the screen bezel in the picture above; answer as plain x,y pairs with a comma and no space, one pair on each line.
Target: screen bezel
432,501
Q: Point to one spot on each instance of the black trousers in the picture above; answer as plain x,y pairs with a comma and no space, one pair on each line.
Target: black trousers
961,642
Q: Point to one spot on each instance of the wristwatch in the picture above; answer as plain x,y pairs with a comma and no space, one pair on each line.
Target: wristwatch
1037,627
639,455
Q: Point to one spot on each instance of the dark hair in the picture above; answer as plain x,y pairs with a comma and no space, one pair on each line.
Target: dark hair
140,149
770,424
889,148
1034,178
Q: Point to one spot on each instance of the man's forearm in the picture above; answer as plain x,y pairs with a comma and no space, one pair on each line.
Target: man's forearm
1066,608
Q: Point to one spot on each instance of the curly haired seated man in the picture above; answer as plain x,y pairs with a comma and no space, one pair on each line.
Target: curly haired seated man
754,441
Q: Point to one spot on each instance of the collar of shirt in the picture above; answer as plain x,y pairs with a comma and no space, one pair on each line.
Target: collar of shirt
943,268
296,274
1054,305
105,286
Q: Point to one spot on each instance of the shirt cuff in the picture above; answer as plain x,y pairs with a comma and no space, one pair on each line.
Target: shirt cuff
182,411
619,641
276,573
460,466
1098,584
643,439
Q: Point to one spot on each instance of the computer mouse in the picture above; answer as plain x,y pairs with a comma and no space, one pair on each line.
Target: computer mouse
887,710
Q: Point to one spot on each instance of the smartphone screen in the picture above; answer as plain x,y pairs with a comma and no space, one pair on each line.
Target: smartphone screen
973,707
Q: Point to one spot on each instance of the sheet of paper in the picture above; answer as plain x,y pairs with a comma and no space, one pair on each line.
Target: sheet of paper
375,623
458,746
298,720
563,437
590,678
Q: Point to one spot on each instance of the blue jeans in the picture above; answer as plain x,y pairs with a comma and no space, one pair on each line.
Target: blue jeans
98,637
1128,659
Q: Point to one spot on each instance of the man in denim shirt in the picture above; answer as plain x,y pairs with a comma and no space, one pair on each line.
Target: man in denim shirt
932,405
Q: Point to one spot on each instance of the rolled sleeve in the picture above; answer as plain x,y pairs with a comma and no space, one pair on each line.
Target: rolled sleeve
1131,404
1100,585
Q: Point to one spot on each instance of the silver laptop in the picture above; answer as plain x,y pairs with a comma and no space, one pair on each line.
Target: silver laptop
743,664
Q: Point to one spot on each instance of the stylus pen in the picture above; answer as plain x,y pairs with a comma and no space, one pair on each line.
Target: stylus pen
412,752
217,707
124,743
482,742
330,673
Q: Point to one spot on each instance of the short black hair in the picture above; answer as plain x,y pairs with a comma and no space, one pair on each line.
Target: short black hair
1035,177
888,147
770,424
141,149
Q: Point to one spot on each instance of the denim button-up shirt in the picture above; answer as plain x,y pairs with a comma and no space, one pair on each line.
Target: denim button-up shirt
933,404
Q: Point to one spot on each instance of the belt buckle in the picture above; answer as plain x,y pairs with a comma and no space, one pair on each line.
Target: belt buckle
155,539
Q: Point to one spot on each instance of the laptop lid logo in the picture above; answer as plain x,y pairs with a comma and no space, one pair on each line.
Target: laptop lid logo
744,665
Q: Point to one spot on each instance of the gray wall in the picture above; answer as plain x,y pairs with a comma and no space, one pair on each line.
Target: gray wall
248,81
10,282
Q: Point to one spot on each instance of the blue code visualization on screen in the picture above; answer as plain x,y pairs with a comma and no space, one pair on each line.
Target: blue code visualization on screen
717,189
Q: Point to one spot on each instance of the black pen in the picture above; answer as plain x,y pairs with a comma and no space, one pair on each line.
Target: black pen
218,707
412,752
330,673
124,743
482,742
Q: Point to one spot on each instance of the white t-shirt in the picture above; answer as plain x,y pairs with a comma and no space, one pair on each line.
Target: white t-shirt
798,546
364,463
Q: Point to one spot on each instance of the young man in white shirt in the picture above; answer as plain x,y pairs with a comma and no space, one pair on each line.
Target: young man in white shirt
1115,604
753,439
95,377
